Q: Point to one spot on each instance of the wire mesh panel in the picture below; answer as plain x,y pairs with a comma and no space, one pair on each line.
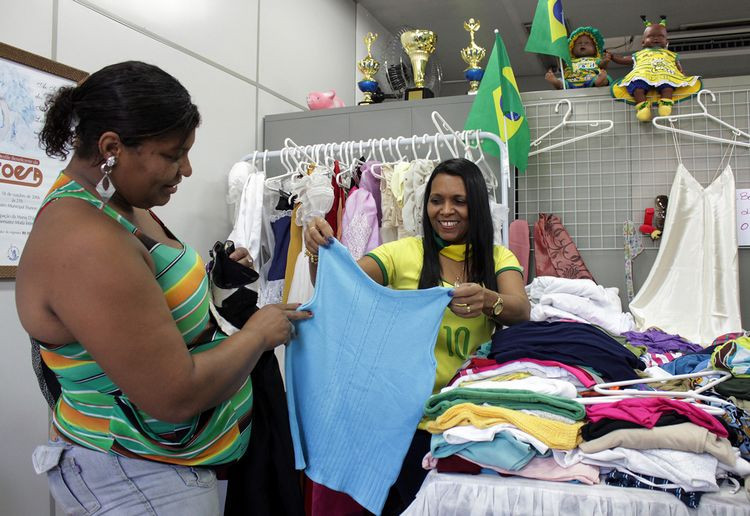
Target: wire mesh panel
597,183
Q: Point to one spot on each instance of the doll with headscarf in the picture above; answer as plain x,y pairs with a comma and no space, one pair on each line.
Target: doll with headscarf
588,67
656,77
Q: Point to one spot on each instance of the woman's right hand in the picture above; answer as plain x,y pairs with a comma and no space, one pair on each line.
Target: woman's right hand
274,323
318,233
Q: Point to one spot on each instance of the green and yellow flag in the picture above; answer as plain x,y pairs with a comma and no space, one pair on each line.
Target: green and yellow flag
498,109
548,32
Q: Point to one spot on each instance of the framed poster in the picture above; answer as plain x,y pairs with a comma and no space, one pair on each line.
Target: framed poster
26,172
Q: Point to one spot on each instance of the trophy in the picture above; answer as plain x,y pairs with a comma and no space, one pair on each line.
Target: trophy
368,67
418,44
472,56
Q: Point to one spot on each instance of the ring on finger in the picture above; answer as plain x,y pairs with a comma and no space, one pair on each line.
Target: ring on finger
468,309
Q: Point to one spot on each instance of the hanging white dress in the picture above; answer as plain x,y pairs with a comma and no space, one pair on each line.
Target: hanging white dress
693,287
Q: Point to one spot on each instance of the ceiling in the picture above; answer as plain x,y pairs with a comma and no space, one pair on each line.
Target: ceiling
617,21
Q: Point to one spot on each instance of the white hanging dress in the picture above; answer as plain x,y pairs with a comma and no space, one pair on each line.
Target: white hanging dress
693,287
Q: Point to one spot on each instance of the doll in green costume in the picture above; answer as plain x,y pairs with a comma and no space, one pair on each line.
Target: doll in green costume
588,66
656,77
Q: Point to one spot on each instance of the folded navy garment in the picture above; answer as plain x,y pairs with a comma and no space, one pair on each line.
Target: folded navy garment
571,343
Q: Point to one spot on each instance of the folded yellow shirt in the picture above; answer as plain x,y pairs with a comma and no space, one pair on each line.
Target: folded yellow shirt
560,436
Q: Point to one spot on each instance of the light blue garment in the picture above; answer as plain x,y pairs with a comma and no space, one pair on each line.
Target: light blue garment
357,376
688,363
504,451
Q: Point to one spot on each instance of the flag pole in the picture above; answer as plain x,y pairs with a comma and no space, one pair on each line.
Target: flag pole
562,75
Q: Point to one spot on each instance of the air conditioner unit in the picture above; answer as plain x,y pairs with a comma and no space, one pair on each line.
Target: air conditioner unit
707,40
689,41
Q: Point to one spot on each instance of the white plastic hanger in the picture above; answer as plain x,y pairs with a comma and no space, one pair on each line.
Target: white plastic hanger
398,150
611,395
609,124
738,133
442,126
265,161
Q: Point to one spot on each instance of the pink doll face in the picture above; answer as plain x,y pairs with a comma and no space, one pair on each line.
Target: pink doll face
655,36
584,46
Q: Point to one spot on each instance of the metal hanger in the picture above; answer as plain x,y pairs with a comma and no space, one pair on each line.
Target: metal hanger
702,114
568,123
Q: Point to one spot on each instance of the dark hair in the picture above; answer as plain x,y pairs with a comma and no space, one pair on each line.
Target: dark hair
480,268
138,101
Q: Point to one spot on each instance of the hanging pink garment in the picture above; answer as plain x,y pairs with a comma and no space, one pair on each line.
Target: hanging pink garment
518,242
555,253
360,233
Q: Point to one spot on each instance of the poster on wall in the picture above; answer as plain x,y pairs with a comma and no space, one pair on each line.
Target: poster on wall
26,172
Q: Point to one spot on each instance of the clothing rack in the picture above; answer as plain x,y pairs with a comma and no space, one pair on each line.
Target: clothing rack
450,140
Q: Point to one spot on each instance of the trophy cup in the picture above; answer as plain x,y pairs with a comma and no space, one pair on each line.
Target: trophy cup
472,56
368,67
418,44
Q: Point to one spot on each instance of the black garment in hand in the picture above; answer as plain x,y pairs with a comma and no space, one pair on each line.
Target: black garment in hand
264,481
225,272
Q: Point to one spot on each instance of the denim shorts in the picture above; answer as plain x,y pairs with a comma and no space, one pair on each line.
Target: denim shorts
84,482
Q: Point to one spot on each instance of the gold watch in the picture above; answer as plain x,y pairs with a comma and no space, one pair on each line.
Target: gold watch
497,308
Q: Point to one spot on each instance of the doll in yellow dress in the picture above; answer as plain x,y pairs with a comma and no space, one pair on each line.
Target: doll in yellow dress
656,77
588,66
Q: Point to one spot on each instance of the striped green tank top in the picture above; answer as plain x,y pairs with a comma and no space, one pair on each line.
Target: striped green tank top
93,412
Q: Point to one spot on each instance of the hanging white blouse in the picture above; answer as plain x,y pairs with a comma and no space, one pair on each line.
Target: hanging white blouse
247,226
415,181
238,175
302,289
499,214
693,287
315,195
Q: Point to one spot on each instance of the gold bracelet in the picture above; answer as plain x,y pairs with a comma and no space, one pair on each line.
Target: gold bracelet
313,257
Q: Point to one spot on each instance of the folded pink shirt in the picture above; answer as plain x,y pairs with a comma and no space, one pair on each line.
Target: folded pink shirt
646,412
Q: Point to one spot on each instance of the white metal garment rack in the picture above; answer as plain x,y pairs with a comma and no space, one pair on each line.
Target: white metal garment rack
450,140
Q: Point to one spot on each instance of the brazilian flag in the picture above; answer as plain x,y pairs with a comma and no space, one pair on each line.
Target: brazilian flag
548,32
498,109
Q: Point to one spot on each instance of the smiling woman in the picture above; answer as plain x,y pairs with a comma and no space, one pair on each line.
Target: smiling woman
456,251
118,306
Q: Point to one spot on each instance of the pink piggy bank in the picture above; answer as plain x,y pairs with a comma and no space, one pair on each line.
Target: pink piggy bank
323,100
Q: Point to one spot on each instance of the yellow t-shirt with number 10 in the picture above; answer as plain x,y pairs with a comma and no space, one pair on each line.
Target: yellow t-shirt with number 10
401,263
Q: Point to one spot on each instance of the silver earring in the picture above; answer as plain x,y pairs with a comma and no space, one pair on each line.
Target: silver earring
105,188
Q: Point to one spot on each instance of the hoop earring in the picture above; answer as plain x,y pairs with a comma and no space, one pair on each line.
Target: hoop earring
105,188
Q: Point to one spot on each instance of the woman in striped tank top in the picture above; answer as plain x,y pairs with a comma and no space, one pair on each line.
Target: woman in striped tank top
152,394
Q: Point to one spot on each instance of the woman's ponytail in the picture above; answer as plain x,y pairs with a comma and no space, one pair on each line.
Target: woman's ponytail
57,135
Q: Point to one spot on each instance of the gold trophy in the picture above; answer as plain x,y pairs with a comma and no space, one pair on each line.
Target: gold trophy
368,67
472,56
418,44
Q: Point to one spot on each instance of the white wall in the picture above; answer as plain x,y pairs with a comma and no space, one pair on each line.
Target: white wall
241,60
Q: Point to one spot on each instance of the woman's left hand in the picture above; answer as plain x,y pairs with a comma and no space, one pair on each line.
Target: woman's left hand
468,300
242,256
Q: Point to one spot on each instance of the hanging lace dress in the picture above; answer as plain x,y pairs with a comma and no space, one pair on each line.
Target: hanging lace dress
693,287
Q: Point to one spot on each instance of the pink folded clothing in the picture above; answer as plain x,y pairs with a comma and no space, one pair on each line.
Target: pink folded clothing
546,468
646,412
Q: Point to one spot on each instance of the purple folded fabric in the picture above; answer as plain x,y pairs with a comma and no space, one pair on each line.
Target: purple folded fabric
656,341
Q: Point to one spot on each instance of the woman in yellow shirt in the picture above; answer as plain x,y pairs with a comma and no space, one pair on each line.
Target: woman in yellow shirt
457,251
